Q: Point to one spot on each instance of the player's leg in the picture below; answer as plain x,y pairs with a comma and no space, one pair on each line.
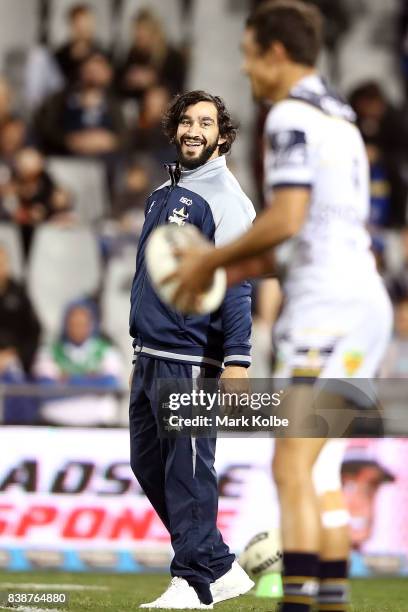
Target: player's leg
191,495
357,355
145,450
170,461
335,541
292,470
201,556
300,520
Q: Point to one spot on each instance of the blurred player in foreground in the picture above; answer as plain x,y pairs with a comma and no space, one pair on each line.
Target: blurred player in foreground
177,472
316,186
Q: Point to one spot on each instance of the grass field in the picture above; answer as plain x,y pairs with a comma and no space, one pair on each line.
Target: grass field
123,593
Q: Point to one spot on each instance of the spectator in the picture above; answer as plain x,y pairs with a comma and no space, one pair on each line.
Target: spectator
13,136
12,140
134,180
19,331
6,109
83,119
151,60
32,196
396,360
19,326
148,136
81,43
18,408
385,133
81,357
362,475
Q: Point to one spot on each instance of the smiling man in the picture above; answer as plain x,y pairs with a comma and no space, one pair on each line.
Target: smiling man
177,474
197,135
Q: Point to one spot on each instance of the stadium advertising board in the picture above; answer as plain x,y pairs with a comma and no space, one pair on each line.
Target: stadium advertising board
68,500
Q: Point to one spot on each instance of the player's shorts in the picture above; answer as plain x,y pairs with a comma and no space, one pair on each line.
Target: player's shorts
318,339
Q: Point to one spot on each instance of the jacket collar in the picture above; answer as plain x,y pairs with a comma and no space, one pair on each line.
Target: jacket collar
213,166
174,171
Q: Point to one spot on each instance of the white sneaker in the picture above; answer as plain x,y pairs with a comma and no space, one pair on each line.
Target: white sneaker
232,584
178,596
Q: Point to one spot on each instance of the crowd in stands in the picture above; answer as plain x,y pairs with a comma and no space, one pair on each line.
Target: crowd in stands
90,111
81,103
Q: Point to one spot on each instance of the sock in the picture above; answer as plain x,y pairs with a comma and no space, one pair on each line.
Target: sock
333,589
300,581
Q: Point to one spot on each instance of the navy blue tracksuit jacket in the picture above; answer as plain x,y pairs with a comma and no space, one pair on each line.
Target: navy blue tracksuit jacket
177,474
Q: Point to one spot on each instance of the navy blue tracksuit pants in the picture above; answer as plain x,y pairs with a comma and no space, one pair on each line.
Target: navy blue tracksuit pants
181,487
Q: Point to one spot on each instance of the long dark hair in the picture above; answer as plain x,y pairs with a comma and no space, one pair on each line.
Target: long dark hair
176,109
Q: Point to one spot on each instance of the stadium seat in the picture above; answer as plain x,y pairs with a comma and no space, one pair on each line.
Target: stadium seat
115,299
64,265
85,179
363,56
224,76
115,312
393,252
41,78
11,241
223,20
19,23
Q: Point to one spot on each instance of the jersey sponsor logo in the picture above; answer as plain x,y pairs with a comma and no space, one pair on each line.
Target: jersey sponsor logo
352,361
179,217
186,201
288,148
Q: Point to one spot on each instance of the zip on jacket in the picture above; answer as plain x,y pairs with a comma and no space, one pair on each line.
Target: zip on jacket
210,198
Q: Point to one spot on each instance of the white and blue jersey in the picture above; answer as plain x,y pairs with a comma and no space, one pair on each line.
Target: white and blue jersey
336,318
210,198
311,141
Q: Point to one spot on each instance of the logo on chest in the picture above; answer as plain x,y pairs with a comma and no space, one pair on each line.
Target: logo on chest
178,216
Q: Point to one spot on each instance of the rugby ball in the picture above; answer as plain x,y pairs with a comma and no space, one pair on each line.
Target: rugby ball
263,554
161,261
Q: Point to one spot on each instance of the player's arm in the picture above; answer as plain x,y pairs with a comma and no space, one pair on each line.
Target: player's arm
260,266
281,221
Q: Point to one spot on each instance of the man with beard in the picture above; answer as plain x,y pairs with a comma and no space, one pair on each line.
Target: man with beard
177,473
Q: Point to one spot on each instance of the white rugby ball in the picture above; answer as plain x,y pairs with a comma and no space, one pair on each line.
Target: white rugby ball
263,554
161,261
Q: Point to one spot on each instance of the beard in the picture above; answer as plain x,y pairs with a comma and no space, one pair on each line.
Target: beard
191,163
